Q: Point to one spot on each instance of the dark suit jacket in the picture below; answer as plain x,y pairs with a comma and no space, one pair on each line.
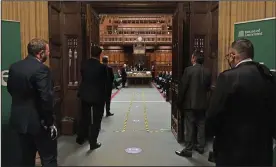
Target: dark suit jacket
123,73
31,88
193,88
111,78
93,87
242,117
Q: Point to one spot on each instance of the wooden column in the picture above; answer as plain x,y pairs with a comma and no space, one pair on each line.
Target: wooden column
93,29
65,24
180,57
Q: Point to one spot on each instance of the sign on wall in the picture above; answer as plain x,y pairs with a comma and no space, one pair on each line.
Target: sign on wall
262,34
10,53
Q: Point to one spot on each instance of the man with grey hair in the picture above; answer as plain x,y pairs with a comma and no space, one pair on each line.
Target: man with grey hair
124,75
109,86
241,114
32,113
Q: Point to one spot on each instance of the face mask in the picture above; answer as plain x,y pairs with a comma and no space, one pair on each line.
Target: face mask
229,63
230,60
43,57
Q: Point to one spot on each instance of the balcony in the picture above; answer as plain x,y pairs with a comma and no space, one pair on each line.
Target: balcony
129,37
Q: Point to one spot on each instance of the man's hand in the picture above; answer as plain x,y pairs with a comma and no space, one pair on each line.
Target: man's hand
52,130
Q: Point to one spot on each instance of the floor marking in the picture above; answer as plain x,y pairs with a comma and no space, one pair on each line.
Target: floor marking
127,114
114,94
145,113
133,150
138,101
143,130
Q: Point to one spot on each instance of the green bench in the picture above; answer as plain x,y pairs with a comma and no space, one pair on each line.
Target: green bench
117,79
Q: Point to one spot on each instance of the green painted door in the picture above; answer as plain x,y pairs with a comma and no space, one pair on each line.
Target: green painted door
10,53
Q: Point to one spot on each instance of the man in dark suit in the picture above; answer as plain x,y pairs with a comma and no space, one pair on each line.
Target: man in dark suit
192,101
32,117
241,115
109,86
92,92
124,76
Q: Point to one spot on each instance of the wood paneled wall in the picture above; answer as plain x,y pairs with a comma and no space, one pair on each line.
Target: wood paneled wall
33,18
231,12
116,57
162,59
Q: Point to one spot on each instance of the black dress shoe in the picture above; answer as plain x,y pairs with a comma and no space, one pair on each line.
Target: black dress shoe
184,153
80,141
95,146
109,114
211,157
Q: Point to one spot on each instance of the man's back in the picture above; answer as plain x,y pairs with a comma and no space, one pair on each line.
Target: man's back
23,84
195,84
123,72
244,103
94,81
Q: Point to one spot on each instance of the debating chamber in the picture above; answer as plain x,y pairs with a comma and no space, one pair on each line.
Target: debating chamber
149,47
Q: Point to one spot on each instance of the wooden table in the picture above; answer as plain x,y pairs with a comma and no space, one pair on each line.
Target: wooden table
139,80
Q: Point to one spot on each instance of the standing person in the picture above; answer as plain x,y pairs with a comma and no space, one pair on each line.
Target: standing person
193,101
153,71
109,86
241,115
92,92
124,76
32,113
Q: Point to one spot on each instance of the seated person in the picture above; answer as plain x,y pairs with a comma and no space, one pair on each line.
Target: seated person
167,82
160,80
117,80
157,77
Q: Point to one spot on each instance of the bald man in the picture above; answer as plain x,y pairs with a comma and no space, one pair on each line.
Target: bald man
124,75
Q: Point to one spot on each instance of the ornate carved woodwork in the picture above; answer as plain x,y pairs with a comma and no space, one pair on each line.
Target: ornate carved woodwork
66,38
56,58
124,29
199,43
180,56
73,65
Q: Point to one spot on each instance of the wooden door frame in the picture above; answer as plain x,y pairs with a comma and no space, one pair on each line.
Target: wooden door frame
52,6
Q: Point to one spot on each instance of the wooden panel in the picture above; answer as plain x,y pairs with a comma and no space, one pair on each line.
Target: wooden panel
56,59
33,21
237,11
65,47
115,56
122,57
180,59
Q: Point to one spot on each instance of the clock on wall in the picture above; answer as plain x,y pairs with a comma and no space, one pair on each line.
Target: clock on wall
139,39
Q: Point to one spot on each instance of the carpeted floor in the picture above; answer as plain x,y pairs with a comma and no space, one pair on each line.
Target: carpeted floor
142,120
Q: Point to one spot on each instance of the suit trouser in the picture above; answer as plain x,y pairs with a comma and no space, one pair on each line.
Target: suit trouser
124,81
46,147
194,120
107,103
90,123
